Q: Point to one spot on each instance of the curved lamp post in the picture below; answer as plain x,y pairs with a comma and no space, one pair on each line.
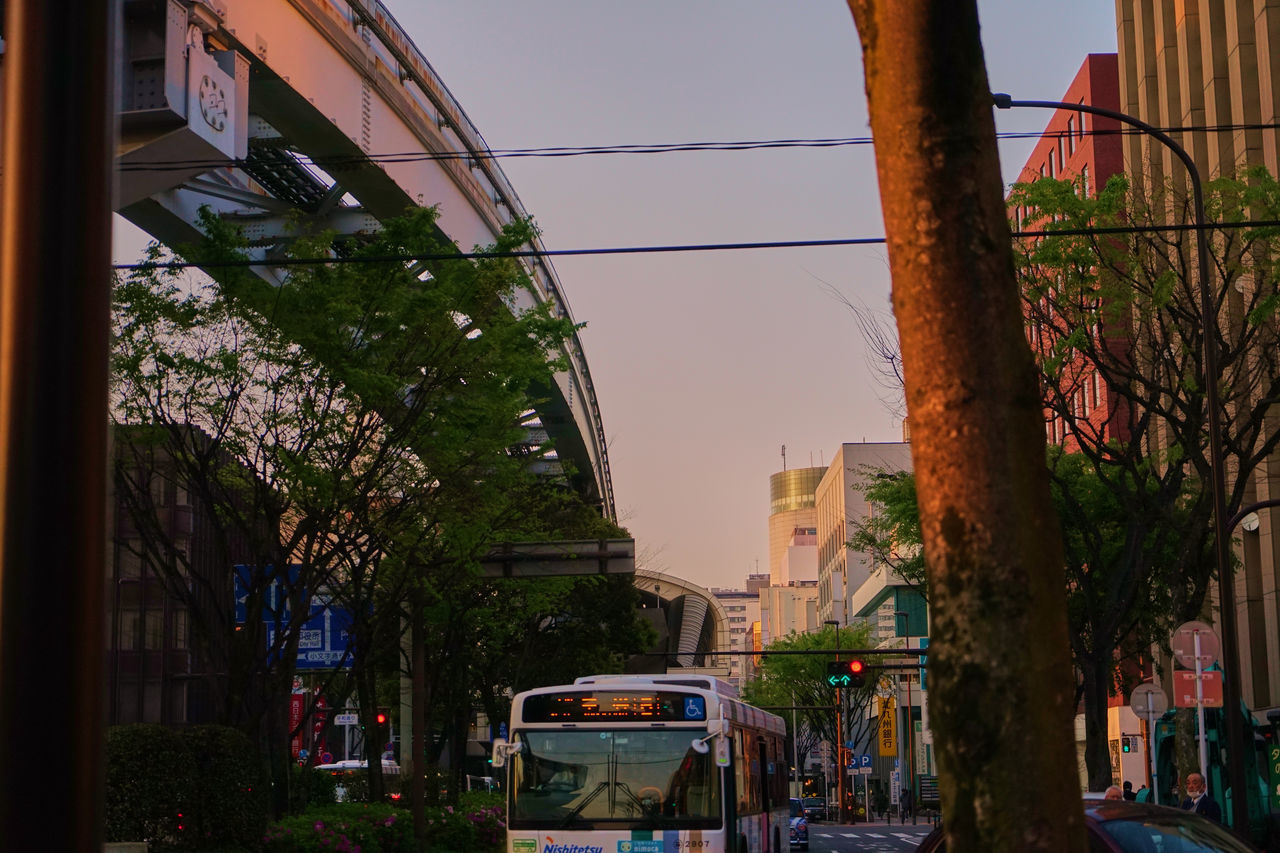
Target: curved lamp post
1226,590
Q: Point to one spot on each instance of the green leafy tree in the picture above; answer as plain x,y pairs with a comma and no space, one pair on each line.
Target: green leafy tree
1119,312
1118,606
785,680
360,421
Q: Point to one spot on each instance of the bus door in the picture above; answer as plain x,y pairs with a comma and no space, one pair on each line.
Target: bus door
762,779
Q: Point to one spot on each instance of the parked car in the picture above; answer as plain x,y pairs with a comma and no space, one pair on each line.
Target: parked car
815,808
799,826
1121,826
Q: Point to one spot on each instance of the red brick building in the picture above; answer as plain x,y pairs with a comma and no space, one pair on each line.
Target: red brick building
1088,150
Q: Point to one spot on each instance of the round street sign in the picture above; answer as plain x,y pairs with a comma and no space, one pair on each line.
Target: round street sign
1184,644
1148,700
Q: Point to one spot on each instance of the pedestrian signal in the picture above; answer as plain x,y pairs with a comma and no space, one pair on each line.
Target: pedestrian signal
1126,744
846,673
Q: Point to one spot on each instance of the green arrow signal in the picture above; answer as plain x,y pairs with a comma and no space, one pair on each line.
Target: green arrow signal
838,680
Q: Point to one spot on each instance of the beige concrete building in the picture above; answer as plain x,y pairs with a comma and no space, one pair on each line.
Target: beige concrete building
784,609
742,611
1215,66
840,506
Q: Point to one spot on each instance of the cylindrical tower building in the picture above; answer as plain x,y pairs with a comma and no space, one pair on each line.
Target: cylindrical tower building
791,506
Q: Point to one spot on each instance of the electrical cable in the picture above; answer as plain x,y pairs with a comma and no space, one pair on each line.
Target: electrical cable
647,148
637,250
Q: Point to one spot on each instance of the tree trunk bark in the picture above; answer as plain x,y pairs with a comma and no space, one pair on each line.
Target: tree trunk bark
367,686
418,702
1000,675
1097,751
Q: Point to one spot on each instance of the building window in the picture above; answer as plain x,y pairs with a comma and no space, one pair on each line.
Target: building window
130,564
1071,135
154,639
1084,180
179,629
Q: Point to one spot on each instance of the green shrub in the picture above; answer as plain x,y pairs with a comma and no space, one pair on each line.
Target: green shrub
345,828
310,788
230,804
474,826
184,789
150,783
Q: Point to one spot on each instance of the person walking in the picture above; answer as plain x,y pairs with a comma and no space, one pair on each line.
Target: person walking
1198,799
1113,793
1128,791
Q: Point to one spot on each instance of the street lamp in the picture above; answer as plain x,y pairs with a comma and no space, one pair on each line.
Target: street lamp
1208,318
839,733
911,723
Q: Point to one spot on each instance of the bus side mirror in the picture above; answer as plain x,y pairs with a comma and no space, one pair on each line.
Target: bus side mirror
502,749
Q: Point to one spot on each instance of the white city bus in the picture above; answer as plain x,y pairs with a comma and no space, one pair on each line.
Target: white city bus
643,764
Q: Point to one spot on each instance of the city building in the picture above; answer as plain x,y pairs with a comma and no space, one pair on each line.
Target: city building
791,508
691,623
1214,68
162,667
742,608
1087,150
788,609
839,508
1084,149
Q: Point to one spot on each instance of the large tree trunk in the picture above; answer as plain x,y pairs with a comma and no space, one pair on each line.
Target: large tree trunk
418,703
1097,752
1000,679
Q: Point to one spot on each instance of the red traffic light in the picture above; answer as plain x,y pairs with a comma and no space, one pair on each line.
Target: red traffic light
856,666
381,719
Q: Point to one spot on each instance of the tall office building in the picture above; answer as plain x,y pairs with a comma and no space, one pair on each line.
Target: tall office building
790,509
1087,150
840,506
1214,67
1211,65
1084,149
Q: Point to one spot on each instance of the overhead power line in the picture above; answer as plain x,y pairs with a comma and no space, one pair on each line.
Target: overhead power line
639,148
641,250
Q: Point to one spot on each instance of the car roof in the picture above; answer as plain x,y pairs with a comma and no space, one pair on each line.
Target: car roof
1117,809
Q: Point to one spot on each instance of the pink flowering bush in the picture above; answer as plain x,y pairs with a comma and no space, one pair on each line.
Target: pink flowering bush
343,828
477,824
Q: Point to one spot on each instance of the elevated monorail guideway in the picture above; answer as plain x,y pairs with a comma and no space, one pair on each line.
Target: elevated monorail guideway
266,109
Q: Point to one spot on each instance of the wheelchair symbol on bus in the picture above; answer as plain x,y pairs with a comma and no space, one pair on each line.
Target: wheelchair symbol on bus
695,708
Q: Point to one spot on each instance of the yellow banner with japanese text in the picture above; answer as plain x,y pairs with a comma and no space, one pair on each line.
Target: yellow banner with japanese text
888,731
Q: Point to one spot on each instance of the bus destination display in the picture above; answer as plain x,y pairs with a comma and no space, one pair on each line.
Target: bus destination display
613,706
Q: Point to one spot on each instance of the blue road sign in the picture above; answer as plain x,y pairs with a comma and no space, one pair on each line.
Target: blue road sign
323,640
864,760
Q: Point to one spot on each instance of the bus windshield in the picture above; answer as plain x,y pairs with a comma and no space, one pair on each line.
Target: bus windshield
616,778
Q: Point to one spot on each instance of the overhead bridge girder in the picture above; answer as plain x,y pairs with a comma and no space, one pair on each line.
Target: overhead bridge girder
264,109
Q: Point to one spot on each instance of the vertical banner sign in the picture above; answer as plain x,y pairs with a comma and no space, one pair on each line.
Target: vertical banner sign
297,703
888,733
1273,759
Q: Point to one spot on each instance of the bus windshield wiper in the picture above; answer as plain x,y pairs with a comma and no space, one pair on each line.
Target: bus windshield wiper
646,812
586,801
